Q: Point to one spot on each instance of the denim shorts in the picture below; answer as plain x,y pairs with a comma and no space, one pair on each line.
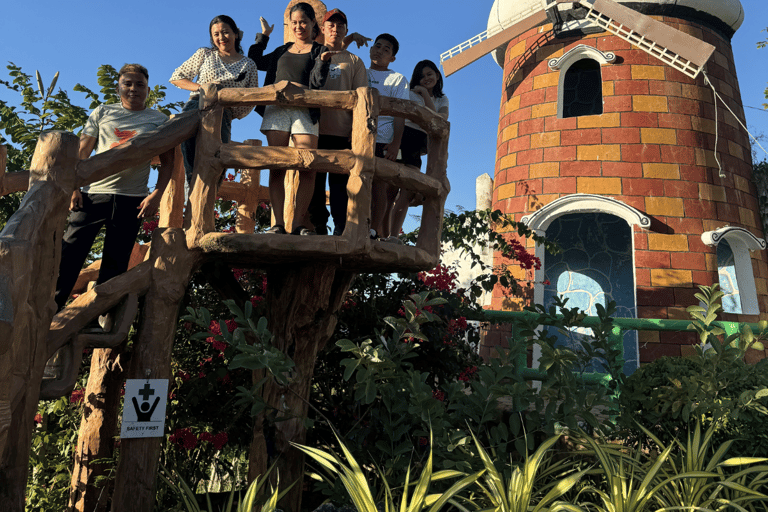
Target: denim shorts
293,120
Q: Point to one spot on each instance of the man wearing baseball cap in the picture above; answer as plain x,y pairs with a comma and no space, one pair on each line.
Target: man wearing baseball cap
347,73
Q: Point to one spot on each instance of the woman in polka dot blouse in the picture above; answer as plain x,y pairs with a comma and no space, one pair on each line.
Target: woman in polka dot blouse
223,64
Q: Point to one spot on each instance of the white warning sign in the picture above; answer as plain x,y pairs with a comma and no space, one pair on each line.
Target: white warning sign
144,408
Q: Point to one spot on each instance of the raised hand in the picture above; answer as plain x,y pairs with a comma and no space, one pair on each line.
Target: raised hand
266,28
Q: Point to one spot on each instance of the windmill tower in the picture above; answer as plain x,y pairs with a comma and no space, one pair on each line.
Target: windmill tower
611,143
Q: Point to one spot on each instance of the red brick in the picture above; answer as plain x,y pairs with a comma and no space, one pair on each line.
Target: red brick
684,106
652,351
686,296
652,259
685,225
655,296
641,241
559,185
678,188
520,114
636,202
681,337
633,57
700,208
678,155
694,139
528,187
688,261
652,311
640,119
560,154
645,187
513,204
621,135
519,144
552,95
623,169
617,104
532,98
642,277
532,156
531,126
553,124
516,173
678,121
695,244
574,168
646,153
694,173
728,212
617,72
659,88
630,87
674,75
575,137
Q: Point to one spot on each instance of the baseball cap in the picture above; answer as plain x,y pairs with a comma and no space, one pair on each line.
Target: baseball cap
335,12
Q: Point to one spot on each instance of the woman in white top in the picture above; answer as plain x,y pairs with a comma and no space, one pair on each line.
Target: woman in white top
223,64
427,90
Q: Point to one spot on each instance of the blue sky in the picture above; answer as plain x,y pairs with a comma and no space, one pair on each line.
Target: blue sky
75,38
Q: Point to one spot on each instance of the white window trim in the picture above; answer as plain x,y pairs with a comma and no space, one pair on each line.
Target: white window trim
741,242
568,59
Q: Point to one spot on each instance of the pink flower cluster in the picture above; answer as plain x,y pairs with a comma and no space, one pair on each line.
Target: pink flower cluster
467,374
440,278
438,395
185,438
149,226
215,329
525,259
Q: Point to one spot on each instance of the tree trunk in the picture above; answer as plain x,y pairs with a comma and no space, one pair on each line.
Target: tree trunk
139,458
302,303
97,430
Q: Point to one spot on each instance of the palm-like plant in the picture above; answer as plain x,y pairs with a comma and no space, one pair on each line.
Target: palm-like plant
535,486
356,484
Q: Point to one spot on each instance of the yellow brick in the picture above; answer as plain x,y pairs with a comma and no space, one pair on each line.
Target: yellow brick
611,120
672,278
747,217
658,136
608,89
506,191
735,150
649,104
694,92
677,313
710,260
713,225
516,50
761,286
544,170
604,152
545,140
664,206
701,124
513,304
516,271
644,337
537,202
509,161
510,132
546,80
665,171
546,52
705,157
605,186
687,350
674,243
647,72
711,192
741,183
512,105
544,110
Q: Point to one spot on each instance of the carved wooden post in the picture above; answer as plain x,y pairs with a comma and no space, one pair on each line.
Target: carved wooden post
249,178
172,204
303,303
139,458
30,250
364,117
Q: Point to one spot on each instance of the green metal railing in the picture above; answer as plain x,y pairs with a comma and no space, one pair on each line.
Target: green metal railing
619,327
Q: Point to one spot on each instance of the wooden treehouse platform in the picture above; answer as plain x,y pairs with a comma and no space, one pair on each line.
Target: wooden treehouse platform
320,267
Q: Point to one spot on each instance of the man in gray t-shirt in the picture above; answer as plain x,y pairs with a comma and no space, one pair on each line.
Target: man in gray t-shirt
119,201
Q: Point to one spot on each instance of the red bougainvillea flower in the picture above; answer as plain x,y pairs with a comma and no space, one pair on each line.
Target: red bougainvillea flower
38,418
77,396
423,441
440,278
205,436
467,374
438,395
183,437
219,440
149,226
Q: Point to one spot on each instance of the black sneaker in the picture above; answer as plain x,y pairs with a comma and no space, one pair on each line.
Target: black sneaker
302,231
276,230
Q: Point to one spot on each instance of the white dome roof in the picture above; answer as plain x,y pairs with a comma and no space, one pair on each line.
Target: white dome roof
729,12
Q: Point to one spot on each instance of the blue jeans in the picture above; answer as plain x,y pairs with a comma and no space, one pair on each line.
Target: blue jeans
188,146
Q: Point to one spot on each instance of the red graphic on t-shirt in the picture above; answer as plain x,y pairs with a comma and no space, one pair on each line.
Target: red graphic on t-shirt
123,136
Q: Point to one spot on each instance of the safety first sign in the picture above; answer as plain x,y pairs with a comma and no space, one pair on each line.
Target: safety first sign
144,408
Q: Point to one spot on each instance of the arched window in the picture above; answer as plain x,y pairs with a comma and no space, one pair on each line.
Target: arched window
734,268
583,89
580,89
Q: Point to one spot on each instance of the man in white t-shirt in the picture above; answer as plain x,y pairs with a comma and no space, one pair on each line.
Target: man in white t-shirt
390,130
120,201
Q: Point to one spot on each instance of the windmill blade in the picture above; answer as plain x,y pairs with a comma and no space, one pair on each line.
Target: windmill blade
673,47
484,43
